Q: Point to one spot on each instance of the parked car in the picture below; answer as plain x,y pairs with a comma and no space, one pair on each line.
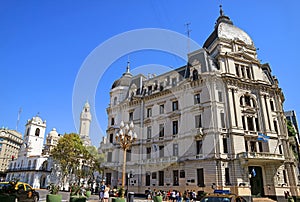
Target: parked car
19,191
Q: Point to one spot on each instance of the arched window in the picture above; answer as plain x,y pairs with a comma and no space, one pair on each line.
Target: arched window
195,75
37,132
115,100
45,165
31,179
247,100
29,163
34,163
27,132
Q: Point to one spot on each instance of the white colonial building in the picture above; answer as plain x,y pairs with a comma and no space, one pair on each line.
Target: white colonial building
216,122
31,166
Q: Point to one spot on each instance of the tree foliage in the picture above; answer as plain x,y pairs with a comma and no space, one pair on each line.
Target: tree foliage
70,153
97,159
291,128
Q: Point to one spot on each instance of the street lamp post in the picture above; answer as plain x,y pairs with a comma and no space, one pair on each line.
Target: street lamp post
125,137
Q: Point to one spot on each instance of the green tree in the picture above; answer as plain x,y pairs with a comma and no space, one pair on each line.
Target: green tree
96,161
71,155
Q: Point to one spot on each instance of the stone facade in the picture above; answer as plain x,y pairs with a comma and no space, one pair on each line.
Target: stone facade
10,143
216,122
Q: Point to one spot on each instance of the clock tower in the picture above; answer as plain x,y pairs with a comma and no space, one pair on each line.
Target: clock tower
85,122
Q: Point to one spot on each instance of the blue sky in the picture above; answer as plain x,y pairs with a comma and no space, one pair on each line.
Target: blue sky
45,43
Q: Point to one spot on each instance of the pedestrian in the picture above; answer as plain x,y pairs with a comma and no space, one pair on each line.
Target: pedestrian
102,189
106,194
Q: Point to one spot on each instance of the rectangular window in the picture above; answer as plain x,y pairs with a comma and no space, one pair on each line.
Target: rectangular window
168,80
147,179
244,124
175,105
175,178
222,116
161,178
257,124
198,123
248,73
111,138
200,177
243,71
148,152
237,72
250,123
161,86
175,149
149,132
109,156
275,126
175,127
272,105
280,149
225,146
197,98
112,121
246,145
182,174
253,146
154,175
227,177
130,116
149,112
174,81
284,177
161,131
199,147
220,96
161,109
149,90
260,146
161,151
128,155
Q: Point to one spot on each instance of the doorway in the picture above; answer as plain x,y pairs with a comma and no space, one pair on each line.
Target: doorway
256,181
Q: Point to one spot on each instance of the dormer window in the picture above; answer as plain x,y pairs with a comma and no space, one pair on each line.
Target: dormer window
115,100
195,75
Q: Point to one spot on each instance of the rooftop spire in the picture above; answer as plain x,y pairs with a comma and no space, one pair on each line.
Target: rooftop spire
128,65
223,18
221,10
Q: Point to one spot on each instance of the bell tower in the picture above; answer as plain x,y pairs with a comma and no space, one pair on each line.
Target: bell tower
33,137
85,122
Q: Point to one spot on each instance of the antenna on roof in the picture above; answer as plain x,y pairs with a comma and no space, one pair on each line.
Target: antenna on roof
18,119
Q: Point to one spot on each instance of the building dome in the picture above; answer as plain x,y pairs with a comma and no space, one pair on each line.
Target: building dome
125,80
53,133
224,28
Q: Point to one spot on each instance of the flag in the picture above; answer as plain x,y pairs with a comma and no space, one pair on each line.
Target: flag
253,172
263,137
155,147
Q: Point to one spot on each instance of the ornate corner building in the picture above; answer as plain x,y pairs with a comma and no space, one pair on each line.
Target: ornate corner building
215,123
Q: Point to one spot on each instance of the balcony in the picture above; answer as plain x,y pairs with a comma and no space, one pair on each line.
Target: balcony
260,157
163,160
28,169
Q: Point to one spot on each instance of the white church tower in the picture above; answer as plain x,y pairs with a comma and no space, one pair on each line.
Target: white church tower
33,137
85,122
